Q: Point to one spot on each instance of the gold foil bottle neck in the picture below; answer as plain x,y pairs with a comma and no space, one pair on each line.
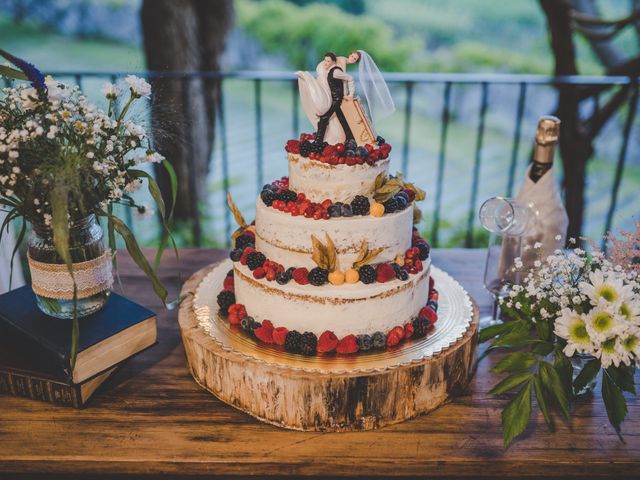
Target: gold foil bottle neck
547,135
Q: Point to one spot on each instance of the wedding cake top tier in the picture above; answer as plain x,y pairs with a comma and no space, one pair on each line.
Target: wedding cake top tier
338,183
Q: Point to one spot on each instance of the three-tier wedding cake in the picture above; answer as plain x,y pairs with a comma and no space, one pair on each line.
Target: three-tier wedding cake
332,262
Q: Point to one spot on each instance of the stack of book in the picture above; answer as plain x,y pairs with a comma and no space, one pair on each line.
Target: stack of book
35,348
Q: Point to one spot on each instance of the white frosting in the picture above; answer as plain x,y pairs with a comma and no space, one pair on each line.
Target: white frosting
286,239
345,309
339,183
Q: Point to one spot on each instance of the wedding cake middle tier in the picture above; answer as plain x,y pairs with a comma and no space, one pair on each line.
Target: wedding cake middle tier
287,240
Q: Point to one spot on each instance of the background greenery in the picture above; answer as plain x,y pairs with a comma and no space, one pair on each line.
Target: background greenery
402,35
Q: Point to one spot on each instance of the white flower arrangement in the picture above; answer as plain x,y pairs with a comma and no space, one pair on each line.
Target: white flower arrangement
571,304
62,158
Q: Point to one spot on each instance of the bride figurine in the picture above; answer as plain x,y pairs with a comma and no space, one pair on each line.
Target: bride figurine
330,103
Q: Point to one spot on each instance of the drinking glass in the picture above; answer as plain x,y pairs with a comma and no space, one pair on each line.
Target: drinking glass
508,222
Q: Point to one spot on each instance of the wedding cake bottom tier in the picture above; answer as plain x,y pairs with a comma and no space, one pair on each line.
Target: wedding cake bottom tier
344,310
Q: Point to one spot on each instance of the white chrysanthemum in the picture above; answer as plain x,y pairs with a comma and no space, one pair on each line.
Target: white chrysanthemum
629,309
631,343
600,287
110,91
602,323
139,86
573,328
611,352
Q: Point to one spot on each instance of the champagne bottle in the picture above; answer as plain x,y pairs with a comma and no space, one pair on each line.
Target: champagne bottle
546,140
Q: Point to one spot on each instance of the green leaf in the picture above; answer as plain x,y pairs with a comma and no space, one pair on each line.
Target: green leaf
511,382
516,415
543,348
515,362
564,368
587,374
553,385
519,336
134,250
12,73
623,377
495,330
614,402
154,190
60,225
542,402
543,329
23,230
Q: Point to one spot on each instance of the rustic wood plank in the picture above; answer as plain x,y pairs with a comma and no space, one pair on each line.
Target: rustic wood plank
152,418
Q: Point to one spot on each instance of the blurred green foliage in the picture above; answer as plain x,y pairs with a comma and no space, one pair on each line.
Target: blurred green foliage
303,34
352,6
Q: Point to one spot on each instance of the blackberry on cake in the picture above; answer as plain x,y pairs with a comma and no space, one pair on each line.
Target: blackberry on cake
293,342
360,205
402,202
420,327
305,148
367,274
225,300
287,195
246,323
380,140
255,260
424,250
283,278
308,344
268,196
244,241
390,205
318,276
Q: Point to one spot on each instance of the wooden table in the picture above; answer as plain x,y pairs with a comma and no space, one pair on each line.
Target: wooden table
152,418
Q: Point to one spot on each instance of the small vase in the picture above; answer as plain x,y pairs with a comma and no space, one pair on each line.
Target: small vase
578,361
50,278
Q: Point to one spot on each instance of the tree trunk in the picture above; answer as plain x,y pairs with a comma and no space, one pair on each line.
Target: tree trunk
575,146
187,36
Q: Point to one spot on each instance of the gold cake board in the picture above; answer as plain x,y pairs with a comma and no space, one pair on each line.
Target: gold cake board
326,392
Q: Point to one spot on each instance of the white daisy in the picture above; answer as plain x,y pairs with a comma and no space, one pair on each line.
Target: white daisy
630,311
631,343
602,323
610,288
610,352
572,327
139,86
110,91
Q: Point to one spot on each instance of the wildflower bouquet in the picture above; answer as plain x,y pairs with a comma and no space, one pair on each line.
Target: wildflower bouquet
63,159
573,316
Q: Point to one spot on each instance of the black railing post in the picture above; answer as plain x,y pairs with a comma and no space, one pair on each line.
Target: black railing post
225,163
469,242
441,161
516,138
621,159
257,84
185,83
407,126
295,99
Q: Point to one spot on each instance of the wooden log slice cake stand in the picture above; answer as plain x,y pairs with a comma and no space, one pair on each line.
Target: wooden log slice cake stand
328,392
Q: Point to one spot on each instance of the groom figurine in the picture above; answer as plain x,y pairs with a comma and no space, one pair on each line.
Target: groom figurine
335,77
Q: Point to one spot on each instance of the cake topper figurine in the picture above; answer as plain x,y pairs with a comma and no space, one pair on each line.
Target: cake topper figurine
331,105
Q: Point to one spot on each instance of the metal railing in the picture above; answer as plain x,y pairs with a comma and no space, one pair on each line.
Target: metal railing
408,82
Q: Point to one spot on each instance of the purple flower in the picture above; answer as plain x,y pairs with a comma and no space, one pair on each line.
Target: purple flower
33,74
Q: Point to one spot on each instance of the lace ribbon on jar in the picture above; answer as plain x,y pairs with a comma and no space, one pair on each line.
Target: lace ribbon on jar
53,280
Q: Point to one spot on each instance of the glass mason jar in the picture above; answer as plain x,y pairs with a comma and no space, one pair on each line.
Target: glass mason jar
51,281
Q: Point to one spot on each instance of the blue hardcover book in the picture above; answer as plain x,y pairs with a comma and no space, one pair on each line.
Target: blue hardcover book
118,331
